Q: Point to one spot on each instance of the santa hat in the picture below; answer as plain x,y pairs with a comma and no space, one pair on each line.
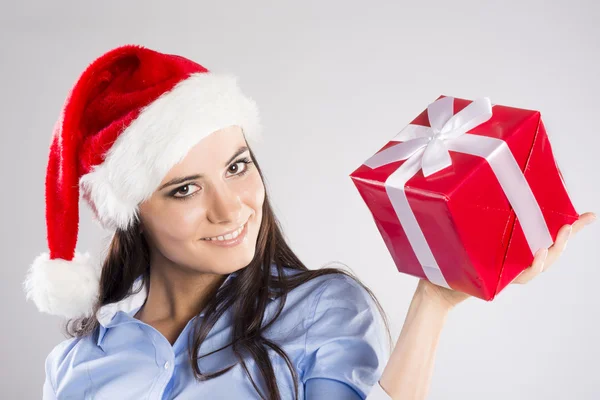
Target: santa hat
131,116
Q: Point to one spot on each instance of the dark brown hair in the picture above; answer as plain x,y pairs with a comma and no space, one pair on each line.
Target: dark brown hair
247,296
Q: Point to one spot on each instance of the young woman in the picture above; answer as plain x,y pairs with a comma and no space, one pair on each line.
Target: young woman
199,295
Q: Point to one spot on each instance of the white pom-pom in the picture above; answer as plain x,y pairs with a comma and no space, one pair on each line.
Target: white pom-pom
63,288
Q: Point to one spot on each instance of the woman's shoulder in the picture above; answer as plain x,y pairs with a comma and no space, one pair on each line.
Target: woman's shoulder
66,353
331,290
63,349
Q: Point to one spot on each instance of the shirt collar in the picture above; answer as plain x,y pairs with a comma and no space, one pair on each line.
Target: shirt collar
133,302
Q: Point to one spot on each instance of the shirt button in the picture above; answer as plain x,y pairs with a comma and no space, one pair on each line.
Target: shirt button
167,365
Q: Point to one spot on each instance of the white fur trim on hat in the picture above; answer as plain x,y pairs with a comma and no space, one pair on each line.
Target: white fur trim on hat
60,287
159,138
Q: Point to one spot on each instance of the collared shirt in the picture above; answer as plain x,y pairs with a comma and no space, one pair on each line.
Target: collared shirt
329,328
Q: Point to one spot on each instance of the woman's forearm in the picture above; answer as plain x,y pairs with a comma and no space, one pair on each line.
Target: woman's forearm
409,369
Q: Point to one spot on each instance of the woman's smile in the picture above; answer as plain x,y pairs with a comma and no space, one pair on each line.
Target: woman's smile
231,239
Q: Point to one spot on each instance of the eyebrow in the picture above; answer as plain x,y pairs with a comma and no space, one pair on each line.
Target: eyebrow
175,181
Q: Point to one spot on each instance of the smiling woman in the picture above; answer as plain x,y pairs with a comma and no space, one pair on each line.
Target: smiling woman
199,294
213,192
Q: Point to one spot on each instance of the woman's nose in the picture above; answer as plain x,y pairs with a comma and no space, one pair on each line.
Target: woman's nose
225,206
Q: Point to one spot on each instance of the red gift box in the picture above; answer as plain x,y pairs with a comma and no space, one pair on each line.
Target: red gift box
466,194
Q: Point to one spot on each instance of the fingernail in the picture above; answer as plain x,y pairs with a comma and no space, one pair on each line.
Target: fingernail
540,251
568,236
544,260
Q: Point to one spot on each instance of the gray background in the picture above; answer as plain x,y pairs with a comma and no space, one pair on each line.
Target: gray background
335,80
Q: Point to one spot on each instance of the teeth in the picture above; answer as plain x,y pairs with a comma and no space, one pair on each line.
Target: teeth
229,236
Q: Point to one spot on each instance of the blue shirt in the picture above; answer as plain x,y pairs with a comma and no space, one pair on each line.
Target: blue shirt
329,328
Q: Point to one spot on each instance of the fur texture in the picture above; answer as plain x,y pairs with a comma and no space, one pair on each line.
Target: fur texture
66,288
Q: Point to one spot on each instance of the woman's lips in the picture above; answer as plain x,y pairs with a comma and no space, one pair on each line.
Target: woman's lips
231,242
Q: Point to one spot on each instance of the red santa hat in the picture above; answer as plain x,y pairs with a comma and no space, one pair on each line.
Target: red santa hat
131,116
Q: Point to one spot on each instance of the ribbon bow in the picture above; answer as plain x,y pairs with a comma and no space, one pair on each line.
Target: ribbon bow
428,143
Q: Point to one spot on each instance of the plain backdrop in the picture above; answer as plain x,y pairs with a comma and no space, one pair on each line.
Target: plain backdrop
335,80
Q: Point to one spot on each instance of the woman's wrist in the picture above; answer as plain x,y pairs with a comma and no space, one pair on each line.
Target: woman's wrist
429,296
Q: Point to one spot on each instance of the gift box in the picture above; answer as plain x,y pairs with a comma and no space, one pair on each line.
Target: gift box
466,194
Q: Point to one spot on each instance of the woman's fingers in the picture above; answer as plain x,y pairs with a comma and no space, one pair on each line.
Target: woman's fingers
544,258
584,219
559,245
535,269
566,233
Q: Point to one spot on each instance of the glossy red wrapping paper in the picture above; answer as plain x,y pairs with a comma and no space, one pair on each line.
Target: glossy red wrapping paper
462,210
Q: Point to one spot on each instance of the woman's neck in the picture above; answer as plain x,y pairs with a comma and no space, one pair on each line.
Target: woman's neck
175,295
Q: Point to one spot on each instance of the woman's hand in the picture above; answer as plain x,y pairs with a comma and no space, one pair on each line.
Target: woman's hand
543,259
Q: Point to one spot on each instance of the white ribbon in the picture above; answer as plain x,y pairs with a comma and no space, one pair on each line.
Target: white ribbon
428,148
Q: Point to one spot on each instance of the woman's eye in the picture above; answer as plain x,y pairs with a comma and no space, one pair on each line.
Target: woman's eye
185,191
235,169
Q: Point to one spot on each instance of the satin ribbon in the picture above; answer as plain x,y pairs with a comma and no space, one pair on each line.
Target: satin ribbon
428,148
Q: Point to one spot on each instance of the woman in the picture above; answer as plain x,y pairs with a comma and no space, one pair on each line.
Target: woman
199,295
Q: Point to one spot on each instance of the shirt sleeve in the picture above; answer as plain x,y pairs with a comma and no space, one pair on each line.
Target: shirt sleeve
48,392
54,367
318,388
345,343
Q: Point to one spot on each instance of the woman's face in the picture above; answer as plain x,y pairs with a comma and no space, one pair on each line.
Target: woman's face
216,191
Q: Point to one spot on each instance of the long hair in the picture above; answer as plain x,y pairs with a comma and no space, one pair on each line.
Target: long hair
247,297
